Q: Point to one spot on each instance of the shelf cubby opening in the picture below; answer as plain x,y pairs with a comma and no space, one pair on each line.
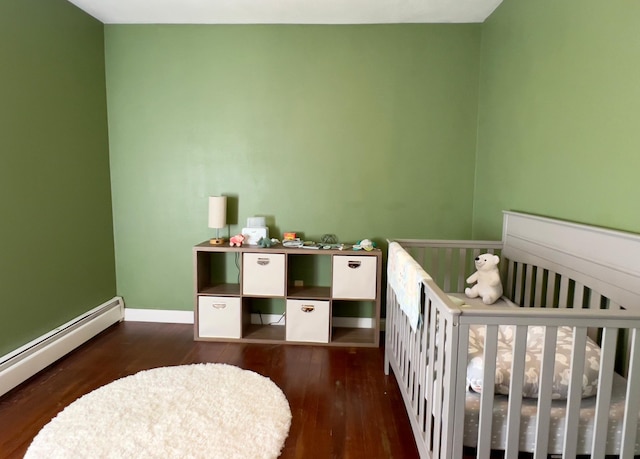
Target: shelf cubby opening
263,319
309,276
353,322
218,273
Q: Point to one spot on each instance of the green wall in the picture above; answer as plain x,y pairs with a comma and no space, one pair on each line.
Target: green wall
361,131
559,113
57,257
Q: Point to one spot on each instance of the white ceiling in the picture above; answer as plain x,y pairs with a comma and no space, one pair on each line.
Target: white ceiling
286,11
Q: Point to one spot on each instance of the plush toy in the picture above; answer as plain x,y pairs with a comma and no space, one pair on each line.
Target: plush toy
265,242
365,244
486,278
236,240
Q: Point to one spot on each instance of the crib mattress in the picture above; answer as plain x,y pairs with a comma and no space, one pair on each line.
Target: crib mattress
556,429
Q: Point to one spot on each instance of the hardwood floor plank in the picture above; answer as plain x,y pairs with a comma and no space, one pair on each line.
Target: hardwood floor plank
343,405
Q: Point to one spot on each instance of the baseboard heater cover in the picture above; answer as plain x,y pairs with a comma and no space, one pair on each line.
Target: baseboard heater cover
19,365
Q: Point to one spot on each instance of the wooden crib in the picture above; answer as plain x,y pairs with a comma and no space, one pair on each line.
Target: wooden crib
565,277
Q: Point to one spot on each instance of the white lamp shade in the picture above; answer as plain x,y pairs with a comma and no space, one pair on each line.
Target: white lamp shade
217,211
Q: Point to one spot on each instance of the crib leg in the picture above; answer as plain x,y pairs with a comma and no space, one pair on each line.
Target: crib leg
386,364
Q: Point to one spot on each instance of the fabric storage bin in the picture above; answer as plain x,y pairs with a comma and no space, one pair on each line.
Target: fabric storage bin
354,277
263,274
219,317
307,321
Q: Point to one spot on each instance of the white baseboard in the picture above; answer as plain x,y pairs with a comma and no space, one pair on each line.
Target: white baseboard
166,316
27,360
273,319
340,322
352,322
186,317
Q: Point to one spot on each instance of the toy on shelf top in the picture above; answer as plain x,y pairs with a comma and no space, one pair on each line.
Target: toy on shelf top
327,241
365,244
236,240
265,242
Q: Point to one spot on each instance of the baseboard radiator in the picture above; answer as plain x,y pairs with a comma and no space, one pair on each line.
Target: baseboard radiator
26,361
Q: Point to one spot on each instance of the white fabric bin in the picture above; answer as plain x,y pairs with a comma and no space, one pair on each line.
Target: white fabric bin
219,317
307,321
263,274
354,277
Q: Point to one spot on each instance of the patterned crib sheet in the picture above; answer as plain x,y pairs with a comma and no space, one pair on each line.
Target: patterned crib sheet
535,343
534,351
586,425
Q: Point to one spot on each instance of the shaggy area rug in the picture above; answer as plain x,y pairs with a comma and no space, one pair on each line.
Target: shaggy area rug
189,411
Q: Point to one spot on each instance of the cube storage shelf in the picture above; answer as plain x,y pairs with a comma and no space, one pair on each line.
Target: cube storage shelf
318,291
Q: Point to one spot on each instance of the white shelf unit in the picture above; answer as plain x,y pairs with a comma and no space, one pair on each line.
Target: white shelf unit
322,294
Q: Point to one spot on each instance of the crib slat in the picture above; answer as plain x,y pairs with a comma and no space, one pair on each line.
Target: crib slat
515,403
594,304
630,423
528,287
447,269
510,278
485,420
564,292
389,331
551,289
574,397
603,399
439,380
462,269
430,371
537,298
411,369
578,295
474,254
450,388
595,299
423,359
544,393
461,388
517,296
401,350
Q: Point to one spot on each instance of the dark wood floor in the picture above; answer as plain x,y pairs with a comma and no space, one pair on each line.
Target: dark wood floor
343,405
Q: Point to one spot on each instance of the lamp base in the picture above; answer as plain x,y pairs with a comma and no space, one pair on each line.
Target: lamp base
216,241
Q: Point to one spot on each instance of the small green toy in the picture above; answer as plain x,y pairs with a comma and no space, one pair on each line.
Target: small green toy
264,242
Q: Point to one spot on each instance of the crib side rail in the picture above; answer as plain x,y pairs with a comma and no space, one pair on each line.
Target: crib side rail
449,262
424,363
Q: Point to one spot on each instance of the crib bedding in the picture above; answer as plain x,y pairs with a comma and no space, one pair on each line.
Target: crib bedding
535,341
534,352
556,428
405,276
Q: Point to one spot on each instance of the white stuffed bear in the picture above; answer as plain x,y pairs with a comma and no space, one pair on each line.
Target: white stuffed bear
487,279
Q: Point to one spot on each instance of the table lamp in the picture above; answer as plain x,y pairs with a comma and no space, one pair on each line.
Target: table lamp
217,217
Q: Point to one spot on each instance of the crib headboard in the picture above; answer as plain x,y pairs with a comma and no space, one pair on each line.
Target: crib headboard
607,261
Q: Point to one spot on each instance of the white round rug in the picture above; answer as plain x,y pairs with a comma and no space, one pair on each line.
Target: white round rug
189,411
